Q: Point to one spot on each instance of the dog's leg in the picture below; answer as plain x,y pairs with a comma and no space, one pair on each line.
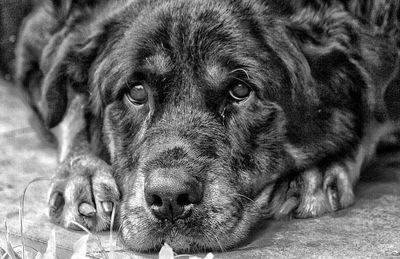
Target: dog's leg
317,191
331,189
83,189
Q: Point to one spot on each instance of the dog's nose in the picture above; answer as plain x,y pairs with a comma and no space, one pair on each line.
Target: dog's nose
171,194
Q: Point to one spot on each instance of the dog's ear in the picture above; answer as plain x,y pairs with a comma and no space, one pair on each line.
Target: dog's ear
59,9
68,73
339,49
62,9
67,58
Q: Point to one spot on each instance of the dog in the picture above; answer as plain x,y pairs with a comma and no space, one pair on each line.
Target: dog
194,120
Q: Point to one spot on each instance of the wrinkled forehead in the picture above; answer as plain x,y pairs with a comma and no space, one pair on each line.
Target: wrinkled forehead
162,64
191,35
202,43
156,57
214,72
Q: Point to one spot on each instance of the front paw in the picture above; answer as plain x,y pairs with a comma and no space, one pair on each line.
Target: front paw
83,191
317,191
325,191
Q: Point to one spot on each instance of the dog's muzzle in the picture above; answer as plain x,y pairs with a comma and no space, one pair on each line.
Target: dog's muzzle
172,192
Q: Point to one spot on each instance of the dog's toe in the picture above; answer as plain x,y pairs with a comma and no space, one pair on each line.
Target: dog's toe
313,199
338,186
325,191
85,193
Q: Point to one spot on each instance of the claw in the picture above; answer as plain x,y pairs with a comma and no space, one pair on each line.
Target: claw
56,200
288,206
87,210
333,198
107,206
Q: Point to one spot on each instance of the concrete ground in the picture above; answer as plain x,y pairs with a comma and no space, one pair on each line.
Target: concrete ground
369,229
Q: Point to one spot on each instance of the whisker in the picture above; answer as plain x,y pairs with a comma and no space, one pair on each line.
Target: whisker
244,196
208,241
219,243
252,202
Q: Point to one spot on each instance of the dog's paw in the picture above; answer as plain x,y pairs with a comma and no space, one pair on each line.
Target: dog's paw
315,192
325,191
83,191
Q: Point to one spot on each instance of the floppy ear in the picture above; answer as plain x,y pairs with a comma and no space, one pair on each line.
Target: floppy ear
67,67
344,56
61,9
68,73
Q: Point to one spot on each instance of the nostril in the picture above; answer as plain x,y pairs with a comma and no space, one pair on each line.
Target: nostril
156,201
171,194
183,199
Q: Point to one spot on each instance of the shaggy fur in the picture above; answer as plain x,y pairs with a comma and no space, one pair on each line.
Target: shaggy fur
317,70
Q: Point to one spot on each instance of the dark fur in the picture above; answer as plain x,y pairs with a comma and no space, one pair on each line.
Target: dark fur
319,70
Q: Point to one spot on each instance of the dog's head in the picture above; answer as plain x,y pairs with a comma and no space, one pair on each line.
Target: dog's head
205,105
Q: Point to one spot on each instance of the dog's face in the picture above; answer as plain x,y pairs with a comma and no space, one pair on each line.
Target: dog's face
204,106
193,133
195,101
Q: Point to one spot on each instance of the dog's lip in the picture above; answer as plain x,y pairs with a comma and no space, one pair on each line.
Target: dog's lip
197,233
176,225
176,237
184,235
180,242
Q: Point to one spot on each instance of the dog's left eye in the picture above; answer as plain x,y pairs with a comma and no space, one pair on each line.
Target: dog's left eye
240,92
138,95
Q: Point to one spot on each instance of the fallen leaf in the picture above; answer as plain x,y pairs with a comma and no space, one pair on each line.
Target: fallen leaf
2,252
51,247
80,247
9,249
166,252
208,256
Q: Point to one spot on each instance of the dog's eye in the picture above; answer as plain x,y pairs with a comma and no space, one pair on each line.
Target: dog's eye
137,95
240,92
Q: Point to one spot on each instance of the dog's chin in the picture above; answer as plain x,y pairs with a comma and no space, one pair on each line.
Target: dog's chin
205,234
179,242
223,220
177,235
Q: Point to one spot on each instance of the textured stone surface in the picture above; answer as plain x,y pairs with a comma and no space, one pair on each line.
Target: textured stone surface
23,156
370,229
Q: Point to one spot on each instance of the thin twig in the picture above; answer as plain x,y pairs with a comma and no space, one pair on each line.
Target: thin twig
22,211
111,243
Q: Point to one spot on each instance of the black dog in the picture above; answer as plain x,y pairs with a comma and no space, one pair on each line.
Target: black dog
198,118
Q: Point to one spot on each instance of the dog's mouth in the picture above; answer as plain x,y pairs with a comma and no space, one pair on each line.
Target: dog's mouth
217,224
183,235
221,222
179,235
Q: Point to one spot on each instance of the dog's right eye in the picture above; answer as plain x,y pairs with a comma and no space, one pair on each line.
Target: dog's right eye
137,95
240,92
